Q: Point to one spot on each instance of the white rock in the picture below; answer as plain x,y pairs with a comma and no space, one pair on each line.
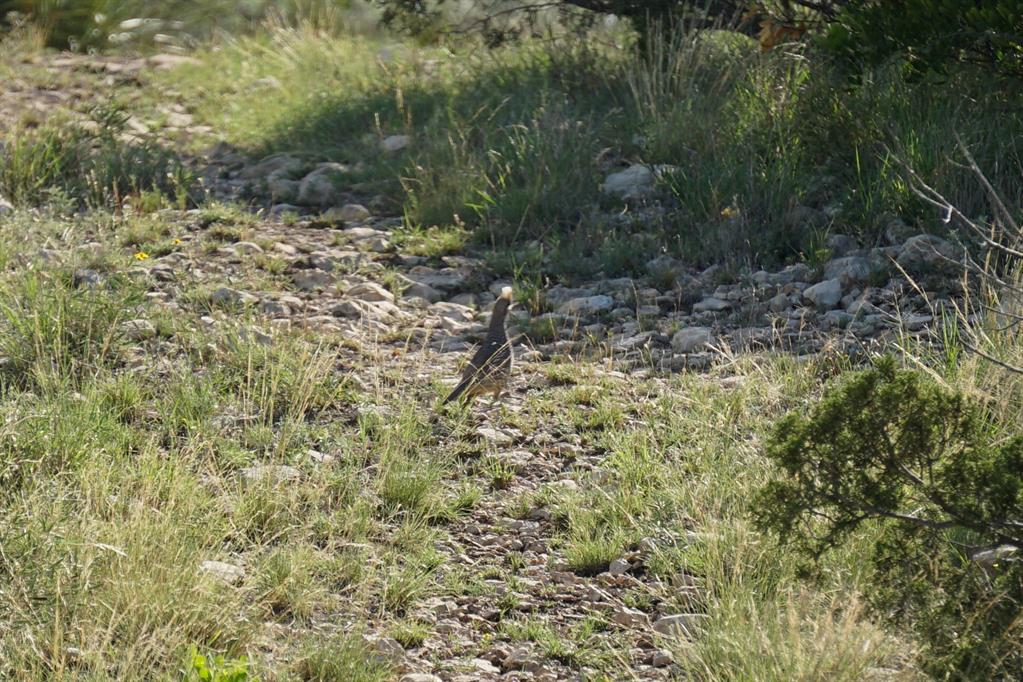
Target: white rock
317,457
395,143
444,279
915,323
278,210
279,164
848,270
517,658
924,252
370,291
634,182
247,247
376,310
229,296
711,304
619,567
139,330
684,624
321,187
629,618
692,339
6,207
424,291
824,295
349,213
419,677
310,280
385,648
662,658
274,308
223,571
275,472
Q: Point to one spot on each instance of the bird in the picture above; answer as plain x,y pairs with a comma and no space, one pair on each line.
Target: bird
488,370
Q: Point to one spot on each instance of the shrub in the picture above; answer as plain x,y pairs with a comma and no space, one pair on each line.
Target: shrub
889,448
931,35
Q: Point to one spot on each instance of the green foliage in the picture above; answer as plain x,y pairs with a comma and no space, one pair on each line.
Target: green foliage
53,333
890,447
217,669
931,35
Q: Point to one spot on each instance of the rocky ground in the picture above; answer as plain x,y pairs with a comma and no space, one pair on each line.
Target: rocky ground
314,256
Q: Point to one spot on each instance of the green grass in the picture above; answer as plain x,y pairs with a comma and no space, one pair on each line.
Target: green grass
68,165
125,465
507,147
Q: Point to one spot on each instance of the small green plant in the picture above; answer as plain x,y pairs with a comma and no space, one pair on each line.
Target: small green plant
216,669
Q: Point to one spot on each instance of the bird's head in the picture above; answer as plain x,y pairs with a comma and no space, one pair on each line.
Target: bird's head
506,294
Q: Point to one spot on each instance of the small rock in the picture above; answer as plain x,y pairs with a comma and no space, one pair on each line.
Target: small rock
824,295
662,658
349,213
395,143
896,232
587,305
619,567
370,291
517,658
805,217
385,648
139,330
356,308
275,472
278,210
634,182
678,624
711,304
282,190
274,309
321,187
247,248
780,303
925,252
692,339
223,571
424,291
836,319
848,270
496,437
229,296
915,323
6,207
630,618
840,244
419,677
377,245
317,457
444,279
84,277
311,280
484,667
278,163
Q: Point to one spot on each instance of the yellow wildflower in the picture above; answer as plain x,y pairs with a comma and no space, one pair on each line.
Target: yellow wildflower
141,255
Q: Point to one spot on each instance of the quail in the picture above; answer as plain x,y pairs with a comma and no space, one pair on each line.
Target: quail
488,370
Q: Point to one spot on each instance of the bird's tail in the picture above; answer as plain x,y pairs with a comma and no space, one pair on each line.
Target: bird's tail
459,390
